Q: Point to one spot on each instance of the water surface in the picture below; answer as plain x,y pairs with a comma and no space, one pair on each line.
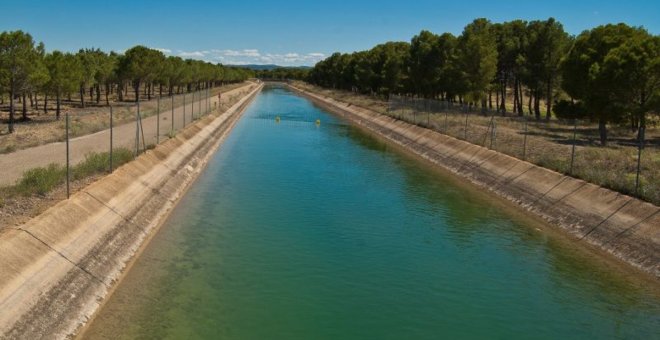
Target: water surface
298,230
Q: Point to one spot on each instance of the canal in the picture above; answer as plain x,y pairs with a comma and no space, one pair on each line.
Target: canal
301,229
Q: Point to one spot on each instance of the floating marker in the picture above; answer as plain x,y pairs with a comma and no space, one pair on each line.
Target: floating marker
277,119
318,122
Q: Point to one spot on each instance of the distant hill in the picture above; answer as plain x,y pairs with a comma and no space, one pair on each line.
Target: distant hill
266,67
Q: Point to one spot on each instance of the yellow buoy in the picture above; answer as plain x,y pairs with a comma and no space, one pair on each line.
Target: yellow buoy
277,119
318,122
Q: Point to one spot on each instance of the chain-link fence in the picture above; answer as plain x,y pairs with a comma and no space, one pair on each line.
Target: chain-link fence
87,143
630,163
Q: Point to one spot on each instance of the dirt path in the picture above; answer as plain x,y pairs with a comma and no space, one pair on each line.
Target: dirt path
14,164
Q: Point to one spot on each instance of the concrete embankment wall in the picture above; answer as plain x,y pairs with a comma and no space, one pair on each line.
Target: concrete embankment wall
622,226
56,269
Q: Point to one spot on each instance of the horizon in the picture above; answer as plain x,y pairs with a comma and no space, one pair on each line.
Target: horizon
267,34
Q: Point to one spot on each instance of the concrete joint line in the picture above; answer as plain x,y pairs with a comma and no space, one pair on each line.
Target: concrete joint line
117,213
64,257
632,227
607,218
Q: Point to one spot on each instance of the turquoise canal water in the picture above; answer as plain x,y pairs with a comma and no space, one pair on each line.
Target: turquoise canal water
305,231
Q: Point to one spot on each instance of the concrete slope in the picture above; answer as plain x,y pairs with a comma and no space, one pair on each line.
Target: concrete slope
56,269
622,226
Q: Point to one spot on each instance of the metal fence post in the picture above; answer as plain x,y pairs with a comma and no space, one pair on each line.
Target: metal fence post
524,140
144,144
137,132
428,113
466,126
192,107
570,171
110,138
492,132
172,112
639,157
184,109
68,171
158,120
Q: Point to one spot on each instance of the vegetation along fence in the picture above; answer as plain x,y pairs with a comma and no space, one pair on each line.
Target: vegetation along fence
629,164
98,142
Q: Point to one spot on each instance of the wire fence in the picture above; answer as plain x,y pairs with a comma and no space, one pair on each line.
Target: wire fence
97,143
630,163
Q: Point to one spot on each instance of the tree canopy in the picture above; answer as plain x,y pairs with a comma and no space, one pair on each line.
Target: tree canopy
609,74
26,69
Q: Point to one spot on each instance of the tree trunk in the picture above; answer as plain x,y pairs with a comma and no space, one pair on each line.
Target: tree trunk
503,96
515,98
57,109
520,99
602,130
548,101
91,94
537,104
24,108
45,104
11,107
149,91
137,91
82,96
529,104
108,88
98,93
36,103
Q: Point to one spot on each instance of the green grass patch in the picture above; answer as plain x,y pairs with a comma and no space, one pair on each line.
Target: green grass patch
42,180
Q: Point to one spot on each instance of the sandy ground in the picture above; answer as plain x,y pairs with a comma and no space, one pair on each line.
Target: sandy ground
14,164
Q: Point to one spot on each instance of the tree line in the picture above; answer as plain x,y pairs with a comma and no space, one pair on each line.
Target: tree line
27,71
283,73
609,74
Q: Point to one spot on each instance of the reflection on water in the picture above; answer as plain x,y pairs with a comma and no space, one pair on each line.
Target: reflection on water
306,231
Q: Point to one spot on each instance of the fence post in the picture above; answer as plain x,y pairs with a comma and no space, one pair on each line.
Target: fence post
199,105
466,126
570,171
446,126
184,109
192,107
428,113
172,112
110,138
158,120
639,157
144,144
414,111
493,132
68,171
524,140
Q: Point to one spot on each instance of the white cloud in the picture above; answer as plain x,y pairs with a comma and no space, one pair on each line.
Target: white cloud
192,54
249,56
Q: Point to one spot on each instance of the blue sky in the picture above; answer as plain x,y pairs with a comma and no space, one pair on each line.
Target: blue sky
287,32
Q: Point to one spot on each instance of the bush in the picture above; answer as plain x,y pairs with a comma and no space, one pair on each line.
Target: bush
41,180
44,179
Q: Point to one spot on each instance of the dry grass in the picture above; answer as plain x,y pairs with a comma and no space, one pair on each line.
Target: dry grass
548,144
42,129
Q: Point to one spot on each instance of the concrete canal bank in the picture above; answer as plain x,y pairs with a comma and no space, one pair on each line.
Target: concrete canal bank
622,226
56,270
